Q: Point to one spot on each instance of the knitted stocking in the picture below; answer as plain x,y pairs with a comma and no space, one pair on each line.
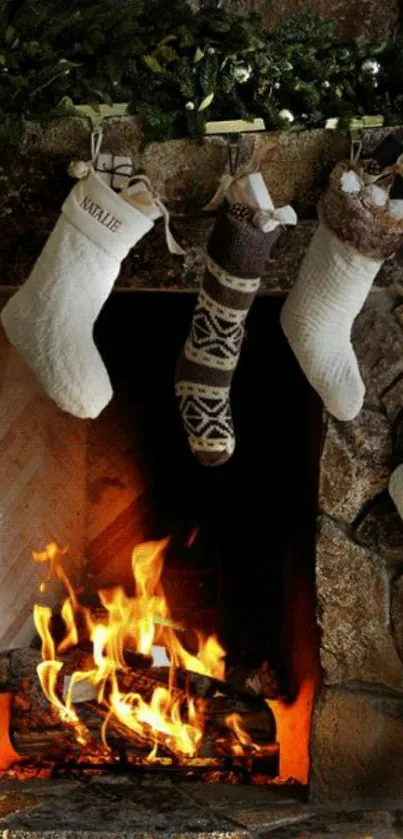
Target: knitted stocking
50,320
236,254
345,255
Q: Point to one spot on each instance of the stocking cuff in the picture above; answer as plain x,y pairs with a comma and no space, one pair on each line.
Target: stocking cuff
369,229
98,212
239,248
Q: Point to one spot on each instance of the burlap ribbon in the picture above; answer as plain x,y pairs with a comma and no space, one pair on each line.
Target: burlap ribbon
226,182
146,201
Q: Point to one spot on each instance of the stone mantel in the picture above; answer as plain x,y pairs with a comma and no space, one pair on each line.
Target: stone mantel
34,183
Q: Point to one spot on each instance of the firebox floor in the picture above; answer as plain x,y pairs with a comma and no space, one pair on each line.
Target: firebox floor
147,808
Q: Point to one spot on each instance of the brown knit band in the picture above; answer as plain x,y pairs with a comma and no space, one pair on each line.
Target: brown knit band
238,247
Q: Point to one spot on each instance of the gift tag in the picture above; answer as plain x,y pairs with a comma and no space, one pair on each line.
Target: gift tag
115,170
258,191
122,171
104,167
252,191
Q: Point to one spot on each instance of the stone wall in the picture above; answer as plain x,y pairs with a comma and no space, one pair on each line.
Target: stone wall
362,18
357,744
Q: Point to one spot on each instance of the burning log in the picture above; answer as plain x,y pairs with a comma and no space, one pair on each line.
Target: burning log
95,694
37,730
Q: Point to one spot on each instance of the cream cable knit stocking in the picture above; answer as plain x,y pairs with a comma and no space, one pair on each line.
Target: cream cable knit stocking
50,320
353,239
318,315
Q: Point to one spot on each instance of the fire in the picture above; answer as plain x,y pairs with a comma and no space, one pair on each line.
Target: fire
48,671
141,625
234,723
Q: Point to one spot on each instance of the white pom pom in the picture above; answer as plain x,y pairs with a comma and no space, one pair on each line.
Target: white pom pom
395,208
351,182
375,195
79,169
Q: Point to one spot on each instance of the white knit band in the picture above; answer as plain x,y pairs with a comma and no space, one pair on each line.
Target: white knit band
229,281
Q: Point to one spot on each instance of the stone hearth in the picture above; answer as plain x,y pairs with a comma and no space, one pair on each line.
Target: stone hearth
153,806
357,731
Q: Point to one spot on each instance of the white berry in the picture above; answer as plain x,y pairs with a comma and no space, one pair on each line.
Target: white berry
287,116
370,67
242,73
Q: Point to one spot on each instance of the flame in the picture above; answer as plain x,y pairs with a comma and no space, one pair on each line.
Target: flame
48,671
234,723
139,624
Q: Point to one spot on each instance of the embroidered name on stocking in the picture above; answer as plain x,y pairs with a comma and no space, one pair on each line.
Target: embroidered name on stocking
99,214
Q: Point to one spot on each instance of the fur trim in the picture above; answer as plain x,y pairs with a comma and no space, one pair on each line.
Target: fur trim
369,229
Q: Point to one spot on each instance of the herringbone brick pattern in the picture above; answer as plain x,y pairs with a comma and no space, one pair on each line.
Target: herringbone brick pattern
42,491
115,503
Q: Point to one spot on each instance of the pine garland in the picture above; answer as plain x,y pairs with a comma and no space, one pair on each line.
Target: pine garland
177,68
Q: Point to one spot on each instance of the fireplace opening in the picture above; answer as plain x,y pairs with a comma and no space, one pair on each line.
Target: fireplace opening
239,561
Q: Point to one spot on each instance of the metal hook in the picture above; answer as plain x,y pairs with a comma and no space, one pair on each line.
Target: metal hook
234,151
355,141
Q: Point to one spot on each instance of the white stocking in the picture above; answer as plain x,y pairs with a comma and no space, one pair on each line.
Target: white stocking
318,315
50,319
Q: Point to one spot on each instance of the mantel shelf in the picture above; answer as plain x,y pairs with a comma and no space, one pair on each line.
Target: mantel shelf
150,268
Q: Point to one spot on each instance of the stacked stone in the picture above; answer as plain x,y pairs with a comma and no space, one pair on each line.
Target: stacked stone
357,742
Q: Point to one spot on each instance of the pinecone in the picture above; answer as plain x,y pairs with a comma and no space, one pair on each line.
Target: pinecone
241,212
372,167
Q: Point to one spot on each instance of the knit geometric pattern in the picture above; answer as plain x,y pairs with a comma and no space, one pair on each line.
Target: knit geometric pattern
318,315
209,358
206,417
216,334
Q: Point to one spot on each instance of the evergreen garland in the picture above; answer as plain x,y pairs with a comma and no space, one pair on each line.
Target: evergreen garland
177,69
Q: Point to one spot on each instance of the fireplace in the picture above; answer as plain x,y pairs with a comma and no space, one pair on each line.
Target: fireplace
246,560
291,554
238,564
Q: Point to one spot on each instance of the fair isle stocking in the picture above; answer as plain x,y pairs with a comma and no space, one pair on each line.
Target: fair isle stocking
347,251
236,254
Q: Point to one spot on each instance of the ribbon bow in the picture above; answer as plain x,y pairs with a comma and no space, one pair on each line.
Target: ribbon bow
147,201
264,218
268,220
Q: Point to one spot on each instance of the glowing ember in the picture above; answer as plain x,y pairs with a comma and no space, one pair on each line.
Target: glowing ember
142,625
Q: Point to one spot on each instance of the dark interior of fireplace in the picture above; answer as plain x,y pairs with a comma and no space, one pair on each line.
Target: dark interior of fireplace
249,573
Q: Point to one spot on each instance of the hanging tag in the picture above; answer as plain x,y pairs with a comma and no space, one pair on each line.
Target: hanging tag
122,171
104,168
115,170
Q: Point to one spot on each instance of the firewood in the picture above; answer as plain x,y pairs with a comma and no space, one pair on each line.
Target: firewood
36,728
